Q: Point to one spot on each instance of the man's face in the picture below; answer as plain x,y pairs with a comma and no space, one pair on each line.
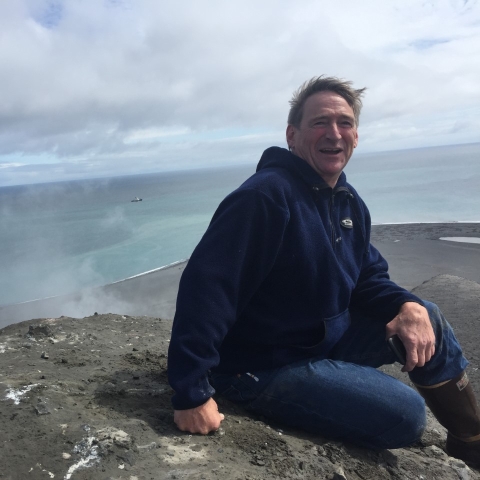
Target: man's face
327,135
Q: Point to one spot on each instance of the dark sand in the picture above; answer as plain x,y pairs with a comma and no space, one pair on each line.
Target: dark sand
88,398
413,251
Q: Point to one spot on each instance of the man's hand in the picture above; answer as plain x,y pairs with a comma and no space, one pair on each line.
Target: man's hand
413,326
203,419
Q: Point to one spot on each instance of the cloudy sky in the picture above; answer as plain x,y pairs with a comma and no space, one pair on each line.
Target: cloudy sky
97,88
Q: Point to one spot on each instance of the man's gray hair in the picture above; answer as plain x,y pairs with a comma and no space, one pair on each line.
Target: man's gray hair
324,84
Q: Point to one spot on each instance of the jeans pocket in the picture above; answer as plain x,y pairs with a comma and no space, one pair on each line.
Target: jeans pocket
237,396
241,388
232,388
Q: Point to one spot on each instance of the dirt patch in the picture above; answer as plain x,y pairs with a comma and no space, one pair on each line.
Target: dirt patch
89,399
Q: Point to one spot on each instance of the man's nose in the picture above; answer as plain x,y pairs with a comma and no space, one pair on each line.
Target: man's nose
333,132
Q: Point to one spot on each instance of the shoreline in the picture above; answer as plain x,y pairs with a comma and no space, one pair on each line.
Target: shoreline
185,260
413,251
148,272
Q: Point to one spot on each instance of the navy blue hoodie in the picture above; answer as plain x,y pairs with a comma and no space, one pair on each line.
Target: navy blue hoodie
281,263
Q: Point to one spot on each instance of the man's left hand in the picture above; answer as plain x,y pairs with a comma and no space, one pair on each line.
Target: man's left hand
413,326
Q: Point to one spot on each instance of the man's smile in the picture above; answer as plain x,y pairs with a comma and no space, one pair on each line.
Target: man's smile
331,151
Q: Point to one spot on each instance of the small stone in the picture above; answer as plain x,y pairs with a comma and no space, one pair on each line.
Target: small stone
112,435
40,330
390,458
128,457
434,451
220,432
65,455
338,474
321,450
42,409
44,355
150,446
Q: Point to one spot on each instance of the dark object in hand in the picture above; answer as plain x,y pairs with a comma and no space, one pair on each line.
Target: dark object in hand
398,349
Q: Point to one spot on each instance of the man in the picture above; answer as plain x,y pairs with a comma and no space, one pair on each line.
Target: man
284,306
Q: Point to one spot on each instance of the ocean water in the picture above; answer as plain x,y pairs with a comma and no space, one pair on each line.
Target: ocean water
61,237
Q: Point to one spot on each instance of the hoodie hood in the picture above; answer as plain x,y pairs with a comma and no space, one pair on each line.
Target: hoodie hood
277,157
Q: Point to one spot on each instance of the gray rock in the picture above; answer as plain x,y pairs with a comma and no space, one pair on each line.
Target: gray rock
42,408
144,448
338,474
40,331
128,457
110,436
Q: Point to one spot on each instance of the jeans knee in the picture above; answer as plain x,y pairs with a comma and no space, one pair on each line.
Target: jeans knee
436,316
413,424
410,422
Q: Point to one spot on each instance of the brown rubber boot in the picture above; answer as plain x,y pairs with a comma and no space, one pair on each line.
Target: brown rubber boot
454,405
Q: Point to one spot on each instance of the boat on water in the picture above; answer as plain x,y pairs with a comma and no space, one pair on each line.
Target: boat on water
136,199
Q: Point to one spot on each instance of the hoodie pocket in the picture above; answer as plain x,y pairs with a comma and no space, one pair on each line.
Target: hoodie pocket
335,327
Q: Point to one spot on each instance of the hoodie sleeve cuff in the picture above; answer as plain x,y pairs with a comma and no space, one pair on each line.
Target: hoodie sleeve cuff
193,397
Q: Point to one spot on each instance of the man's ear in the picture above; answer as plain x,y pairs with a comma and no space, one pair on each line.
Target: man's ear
356,139
290,134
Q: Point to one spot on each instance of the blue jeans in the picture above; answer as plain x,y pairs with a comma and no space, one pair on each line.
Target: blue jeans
341,395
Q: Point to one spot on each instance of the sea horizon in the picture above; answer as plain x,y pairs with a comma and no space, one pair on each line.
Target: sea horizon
61,237
235,165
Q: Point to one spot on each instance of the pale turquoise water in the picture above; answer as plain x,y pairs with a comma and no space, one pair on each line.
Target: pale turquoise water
58,238
437,184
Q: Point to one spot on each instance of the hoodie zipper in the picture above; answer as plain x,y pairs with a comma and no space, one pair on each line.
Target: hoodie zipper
330,218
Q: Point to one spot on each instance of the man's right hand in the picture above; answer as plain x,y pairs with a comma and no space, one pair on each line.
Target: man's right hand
202,419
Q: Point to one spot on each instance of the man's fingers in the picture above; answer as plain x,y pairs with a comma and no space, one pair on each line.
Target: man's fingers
389,331
202,419
420,359
414,328
412,358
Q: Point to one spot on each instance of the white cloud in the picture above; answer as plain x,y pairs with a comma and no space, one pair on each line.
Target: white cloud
120,87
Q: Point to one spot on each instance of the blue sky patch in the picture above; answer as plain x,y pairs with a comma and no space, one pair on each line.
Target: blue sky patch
51,15
426,43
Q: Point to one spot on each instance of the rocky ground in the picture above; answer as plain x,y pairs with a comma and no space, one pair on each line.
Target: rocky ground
89,399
